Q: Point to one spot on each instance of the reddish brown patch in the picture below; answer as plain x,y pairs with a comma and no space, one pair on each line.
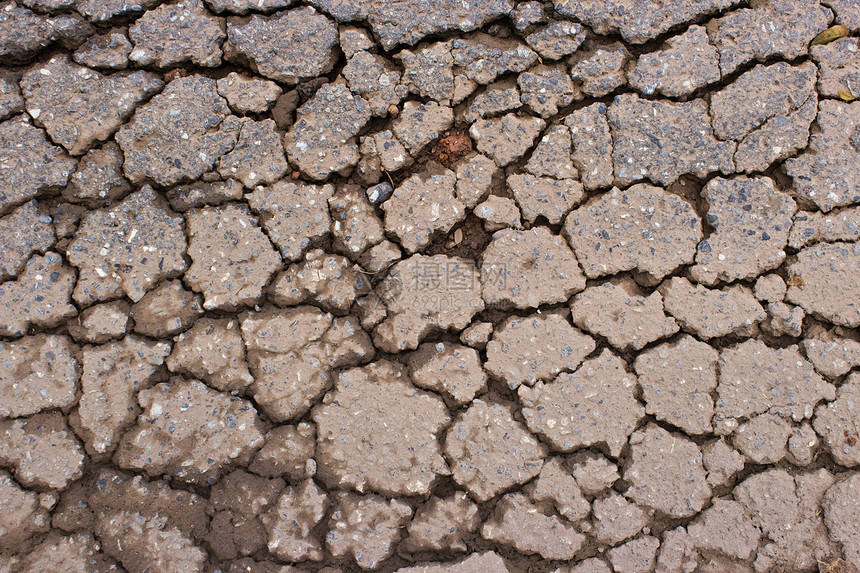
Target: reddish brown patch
175,73
455,145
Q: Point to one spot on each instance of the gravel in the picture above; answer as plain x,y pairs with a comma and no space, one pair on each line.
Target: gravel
814,290
826,165
257,158
551,157
830,418
783,383
751,219
506,138
643,228
774,123
429,70
177,33
618,313
837,67
366,528
165,440
424,295
840,509
229,269
493,452
554,418
289,523
450,369
655,462
661,140
783,29
600,69
636,20
422,206
270,45
677,379
291,354
483,58
212,351
544,89
166,310
518,523
406,24
178,135
108,51
321,141
525,350
384,390
52,380
247,94
39,297
556,39
709,313
31,164
99,106
443,524
112,374
683,64
592,145
127,249
25,231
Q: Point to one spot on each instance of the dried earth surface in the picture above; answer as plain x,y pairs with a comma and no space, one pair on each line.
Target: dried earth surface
462,286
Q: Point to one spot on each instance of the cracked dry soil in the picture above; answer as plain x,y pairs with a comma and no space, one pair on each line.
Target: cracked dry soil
463,286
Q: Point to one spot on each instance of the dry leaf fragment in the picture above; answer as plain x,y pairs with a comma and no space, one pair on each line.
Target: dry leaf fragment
837,566
795,281
830,34
845,95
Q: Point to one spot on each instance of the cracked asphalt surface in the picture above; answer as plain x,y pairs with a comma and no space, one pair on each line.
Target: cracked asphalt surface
329,286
